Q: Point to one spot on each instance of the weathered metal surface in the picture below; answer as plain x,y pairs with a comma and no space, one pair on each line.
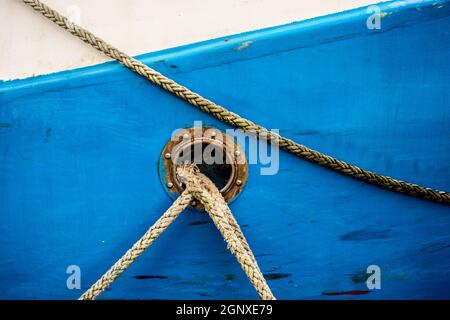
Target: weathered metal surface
229,173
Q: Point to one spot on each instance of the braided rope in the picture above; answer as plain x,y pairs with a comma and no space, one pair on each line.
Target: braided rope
138,248
207,193
200,187
234,119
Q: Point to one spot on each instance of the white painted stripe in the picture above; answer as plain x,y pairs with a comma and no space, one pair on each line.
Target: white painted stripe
31,45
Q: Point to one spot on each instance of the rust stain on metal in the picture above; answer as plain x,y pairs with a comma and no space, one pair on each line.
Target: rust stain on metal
231,175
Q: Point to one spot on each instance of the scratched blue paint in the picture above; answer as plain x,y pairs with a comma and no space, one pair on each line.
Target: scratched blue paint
79,152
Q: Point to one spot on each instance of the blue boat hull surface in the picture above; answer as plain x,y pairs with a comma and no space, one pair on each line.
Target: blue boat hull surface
79,178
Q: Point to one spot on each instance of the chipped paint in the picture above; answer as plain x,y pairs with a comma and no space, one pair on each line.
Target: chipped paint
244,45
366,234
360,276
437,246
276,276
144,277
230,277
339,293
437,5
200,222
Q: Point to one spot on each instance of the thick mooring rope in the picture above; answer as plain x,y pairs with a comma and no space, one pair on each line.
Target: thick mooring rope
139,247
198,186
207,193
234,119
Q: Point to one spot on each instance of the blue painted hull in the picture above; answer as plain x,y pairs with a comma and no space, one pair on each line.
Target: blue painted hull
79,151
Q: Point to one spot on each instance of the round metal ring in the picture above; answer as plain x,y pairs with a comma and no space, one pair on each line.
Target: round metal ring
217,155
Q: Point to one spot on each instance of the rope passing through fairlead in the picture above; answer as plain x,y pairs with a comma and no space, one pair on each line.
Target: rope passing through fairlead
234,119
200,187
